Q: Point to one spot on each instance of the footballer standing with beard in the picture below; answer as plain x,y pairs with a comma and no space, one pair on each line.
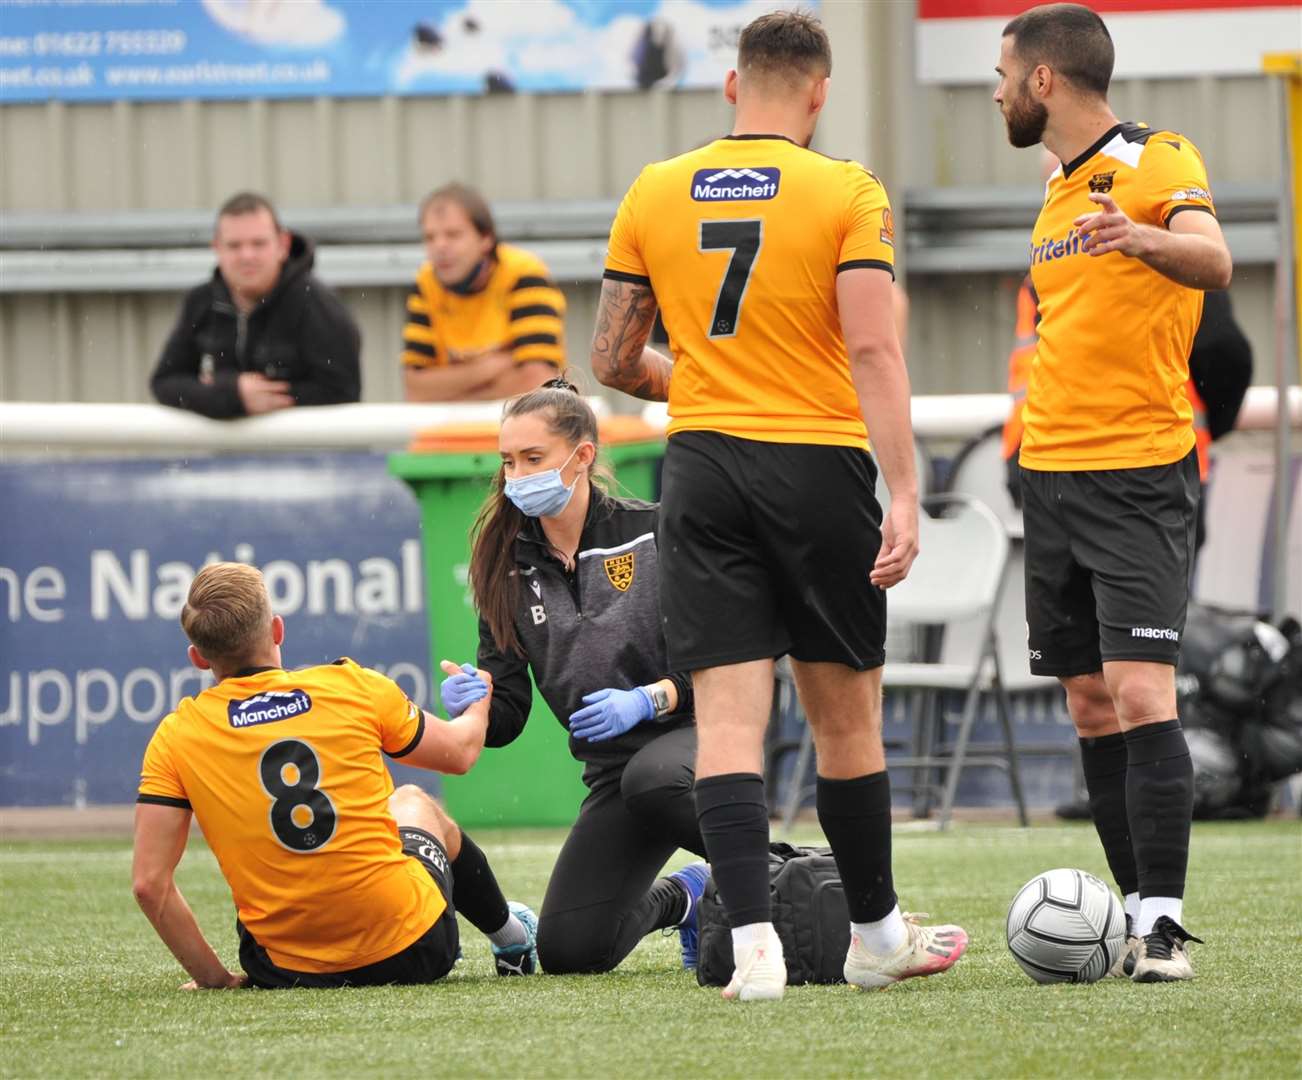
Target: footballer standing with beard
1125,245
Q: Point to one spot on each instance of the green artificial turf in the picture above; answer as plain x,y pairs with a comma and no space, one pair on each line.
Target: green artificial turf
86,989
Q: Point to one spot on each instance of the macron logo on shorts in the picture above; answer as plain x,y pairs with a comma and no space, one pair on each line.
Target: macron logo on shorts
268,708
735,185
1154,632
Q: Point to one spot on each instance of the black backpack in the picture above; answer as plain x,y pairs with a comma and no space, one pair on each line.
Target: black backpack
809,912
1239,687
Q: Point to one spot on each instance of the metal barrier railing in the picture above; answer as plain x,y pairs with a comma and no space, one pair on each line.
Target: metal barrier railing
37,425
946,230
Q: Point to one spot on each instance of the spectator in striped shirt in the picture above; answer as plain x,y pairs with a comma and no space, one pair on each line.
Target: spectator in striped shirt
484,319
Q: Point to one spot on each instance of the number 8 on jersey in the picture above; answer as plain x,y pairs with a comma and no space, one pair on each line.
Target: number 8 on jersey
302,816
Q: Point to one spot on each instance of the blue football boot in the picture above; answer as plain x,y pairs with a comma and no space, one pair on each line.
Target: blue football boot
519,959
692,878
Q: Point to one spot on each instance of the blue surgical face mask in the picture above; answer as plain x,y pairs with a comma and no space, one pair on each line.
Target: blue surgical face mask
541,494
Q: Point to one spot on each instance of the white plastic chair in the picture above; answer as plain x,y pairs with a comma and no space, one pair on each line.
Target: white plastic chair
902,640
955,584
980,471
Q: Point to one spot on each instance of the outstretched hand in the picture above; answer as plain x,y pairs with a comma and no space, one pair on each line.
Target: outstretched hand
461,689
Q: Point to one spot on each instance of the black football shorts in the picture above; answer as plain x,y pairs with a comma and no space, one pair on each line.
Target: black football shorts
425,960
765,549
1109,557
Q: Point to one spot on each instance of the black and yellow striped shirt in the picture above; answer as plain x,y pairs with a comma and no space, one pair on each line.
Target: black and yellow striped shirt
520,311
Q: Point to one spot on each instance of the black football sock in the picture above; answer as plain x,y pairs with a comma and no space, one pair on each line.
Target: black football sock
475,891
734,822
1104,761
856,819
669,903
1159,800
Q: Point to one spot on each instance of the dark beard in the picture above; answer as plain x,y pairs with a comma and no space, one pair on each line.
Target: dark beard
1026,120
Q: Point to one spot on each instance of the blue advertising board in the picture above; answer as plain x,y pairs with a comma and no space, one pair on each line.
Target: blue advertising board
170,49
96,557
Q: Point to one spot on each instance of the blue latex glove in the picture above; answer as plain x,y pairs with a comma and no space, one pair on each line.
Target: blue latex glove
609,713
459,692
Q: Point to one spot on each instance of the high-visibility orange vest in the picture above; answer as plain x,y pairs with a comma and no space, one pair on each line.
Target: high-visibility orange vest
1202,433
1019,375
1019,363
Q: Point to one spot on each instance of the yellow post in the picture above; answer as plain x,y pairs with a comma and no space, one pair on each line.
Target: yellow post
1287,66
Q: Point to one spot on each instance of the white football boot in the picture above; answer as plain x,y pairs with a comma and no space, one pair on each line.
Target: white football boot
1161,955
761,971
928,950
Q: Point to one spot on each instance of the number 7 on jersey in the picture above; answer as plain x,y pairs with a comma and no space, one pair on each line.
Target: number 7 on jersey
744,239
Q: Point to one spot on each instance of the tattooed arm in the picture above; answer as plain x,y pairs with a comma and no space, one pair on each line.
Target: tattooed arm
620,358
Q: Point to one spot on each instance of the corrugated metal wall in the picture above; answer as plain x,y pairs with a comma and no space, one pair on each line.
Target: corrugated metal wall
341,152
959,138
961,328
368,152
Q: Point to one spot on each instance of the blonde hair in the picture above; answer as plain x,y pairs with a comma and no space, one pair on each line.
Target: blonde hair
227,612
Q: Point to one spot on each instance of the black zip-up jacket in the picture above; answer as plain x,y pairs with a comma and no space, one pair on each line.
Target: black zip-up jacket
596,628
300,332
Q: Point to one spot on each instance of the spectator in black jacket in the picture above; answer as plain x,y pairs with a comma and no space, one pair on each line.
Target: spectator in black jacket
564,578
264,333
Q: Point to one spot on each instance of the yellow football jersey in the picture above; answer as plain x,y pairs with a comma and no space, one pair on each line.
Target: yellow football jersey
741,241
1107,383
520,310
283,770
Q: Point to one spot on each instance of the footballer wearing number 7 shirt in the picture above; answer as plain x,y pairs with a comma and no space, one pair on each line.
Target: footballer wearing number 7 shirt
772,266
1125,244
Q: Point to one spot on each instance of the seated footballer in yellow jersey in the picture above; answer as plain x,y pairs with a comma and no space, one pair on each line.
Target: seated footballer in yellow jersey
484,319
337,878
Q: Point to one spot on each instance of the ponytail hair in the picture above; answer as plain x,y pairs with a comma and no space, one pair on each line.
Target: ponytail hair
493,577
